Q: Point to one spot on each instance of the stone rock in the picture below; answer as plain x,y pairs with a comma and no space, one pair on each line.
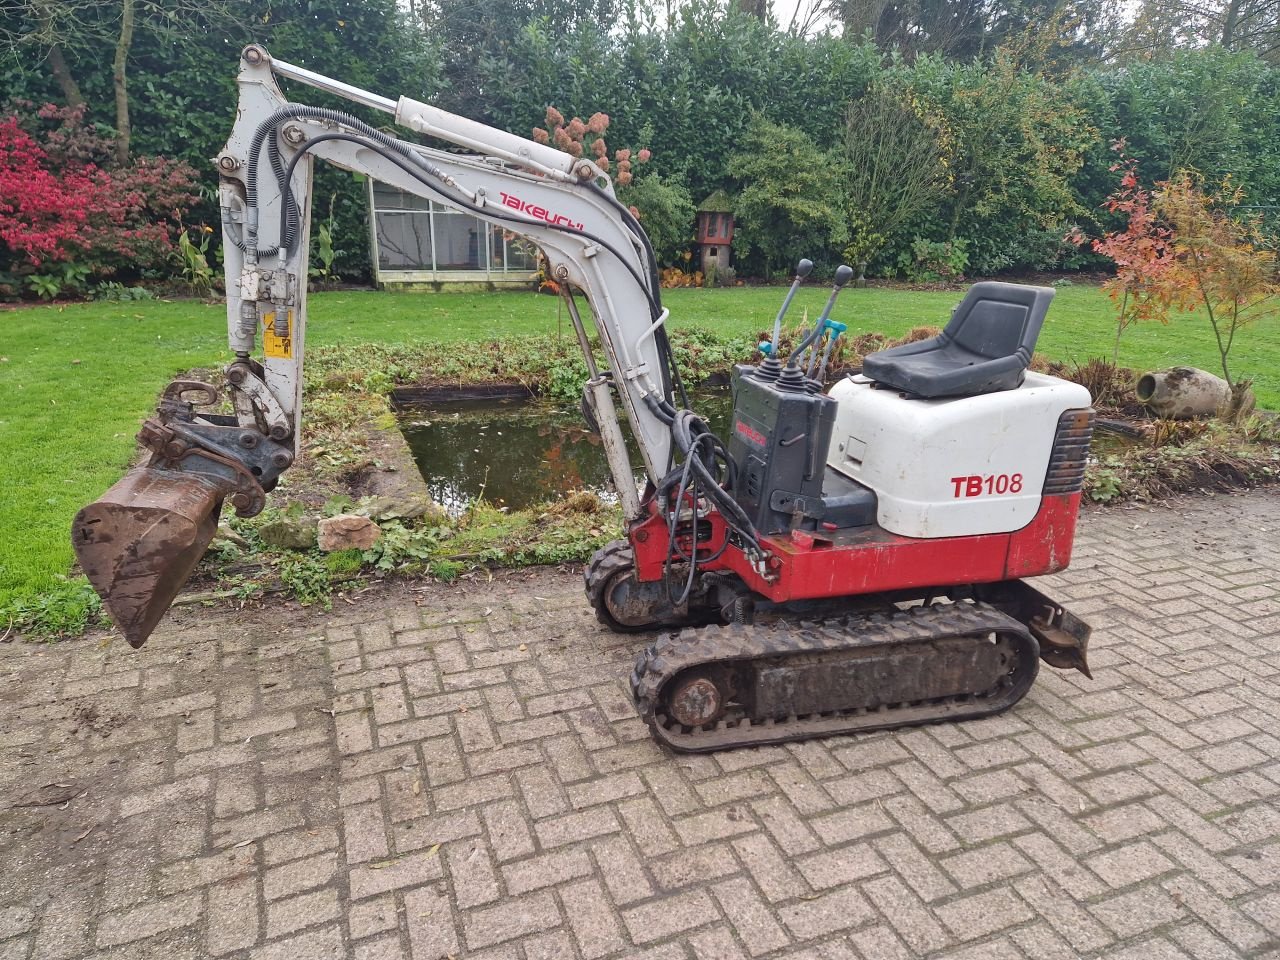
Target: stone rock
404,506
289,533
228,535
347,531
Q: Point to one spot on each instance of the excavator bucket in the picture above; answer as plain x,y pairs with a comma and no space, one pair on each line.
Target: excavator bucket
139,542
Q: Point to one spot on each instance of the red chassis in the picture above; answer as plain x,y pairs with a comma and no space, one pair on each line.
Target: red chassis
863,560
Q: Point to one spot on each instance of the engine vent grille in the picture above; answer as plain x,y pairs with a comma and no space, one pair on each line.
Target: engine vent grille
1070,452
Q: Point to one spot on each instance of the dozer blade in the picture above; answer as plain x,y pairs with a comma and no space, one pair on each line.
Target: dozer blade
139,542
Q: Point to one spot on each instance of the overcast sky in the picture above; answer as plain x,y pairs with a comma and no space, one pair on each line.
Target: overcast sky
784,10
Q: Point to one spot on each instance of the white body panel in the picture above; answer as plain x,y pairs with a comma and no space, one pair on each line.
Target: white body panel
951,467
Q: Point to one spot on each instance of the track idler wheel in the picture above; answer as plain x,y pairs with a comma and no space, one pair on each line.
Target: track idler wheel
698,698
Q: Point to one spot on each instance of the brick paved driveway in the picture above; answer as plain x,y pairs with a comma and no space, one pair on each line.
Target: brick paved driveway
463,776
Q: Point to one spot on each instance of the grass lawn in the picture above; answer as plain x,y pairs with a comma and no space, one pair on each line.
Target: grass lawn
75,381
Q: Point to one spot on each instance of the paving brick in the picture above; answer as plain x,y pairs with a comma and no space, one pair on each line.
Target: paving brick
515,917
772,873
384,948
370,917
717,943
1129,864
471,871
750,916
433,927
149,919
15,921
624,874
364,832
820,916
305,910
983,913
996,861
645,822
186,790
669,915
852,824
834,868
906,914
595,928
322,944
604,789
880,943
1141,910
285,881
785,824
545,870
541,792
693,865
509,835
409,870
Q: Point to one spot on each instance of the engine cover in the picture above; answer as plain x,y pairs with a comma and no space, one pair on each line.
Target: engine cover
951,467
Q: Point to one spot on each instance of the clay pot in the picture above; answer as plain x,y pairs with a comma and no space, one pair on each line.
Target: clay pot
1183,393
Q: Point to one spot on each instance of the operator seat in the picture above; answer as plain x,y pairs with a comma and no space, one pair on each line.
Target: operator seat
985,347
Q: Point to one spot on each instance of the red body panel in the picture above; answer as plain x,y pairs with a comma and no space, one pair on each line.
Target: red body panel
865,560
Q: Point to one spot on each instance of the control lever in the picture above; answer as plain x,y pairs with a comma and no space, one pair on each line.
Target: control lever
836,329
844,273
770,368
803,269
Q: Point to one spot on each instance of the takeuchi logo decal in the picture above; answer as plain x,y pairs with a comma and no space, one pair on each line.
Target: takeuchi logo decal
749,434
539,213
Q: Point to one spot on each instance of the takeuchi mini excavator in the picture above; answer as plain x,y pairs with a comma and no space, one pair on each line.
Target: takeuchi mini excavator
842,561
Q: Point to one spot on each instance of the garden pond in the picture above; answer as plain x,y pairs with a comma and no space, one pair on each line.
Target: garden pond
517,453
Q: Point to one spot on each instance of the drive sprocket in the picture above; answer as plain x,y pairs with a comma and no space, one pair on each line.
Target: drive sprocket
626,605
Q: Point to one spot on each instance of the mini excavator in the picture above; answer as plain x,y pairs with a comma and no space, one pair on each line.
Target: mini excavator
842,561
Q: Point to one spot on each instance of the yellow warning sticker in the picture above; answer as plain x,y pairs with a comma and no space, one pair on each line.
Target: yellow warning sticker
273,345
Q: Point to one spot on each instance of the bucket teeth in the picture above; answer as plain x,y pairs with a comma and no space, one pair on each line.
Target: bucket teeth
139,542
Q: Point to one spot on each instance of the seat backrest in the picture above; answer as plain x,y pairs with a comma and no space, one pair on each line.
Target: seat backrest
1000,319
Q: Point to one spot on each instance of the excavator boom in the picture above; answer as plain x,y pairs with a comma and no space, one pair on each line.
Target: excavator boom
140,542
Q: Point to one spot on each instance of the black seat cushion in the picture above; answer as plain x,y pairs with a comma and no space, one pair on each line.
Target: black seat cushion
986,346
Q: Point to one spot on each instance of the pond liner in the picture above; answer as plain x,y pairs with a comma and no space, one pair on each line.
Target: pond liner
408,397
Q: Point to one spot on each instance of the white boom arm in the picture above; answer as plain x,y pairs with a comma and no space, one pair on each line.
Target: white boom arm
564,205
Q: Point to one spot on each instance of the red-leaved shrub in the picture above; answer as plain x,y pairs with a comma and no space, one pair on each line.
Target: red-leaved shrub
61,199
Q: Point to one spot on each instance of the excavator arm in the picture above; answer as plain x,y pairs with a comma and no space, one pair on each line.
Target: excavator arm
140,542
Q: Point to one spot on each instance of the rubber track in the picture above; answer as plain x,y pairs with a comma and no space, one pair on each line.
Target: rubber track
674,653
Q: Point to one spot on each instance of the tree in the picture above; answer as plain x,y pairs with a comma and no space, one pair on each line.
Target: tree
662,206
666,212
963,29
1011,143
1223,266
788,203
1209,110
478,40
1146,285
1162,26
84,30
893,169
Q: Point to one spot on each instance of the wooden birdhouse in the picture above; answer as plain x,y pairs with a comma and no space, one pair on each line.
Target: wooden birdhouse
715,232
